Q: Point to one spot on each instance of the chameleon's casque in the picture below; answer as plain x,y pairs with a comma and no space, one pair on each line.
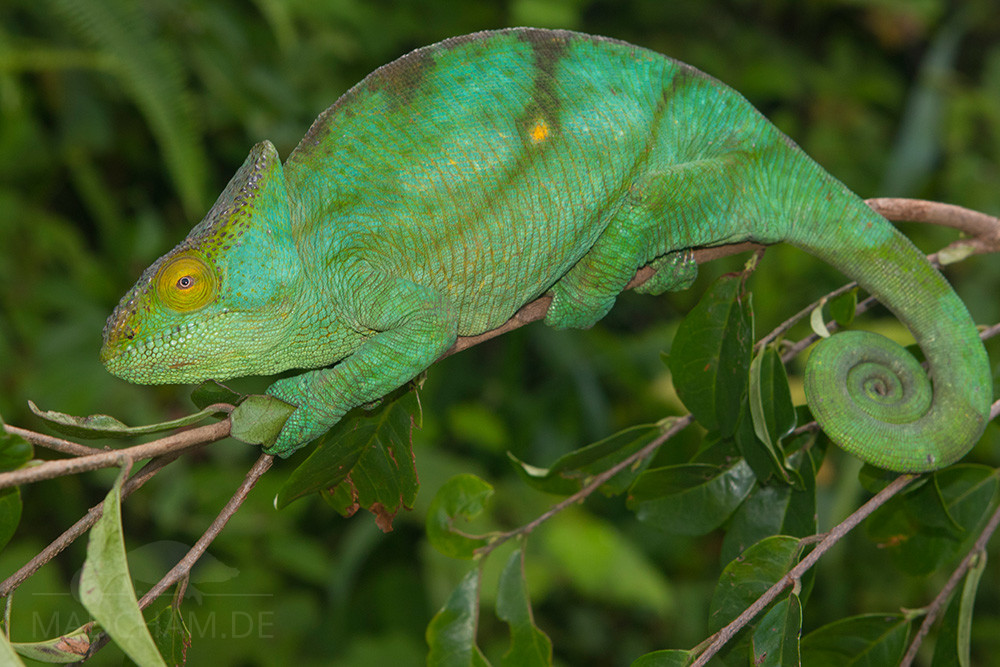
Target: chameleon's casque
454,185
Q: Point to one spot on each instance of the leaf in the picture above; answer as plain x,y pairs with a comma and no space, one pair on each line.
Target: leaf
7,654
258,420
106,588
10,514
384,477
462,496
529,646
690,499
873,640
15,451
954,639
746,578
365,459
710,356
105,426
666,658
211,392
771,408
573,471
817,322
775,509
930,526
451,634
70,647
776,638
171,634
842,307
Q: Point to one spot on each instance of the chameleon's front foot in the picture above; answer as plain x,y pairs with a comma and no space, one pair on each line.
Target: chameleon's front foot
304,425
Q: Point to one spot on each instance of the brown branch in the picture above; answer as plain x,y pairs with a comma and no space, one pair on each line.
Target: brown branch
938,604
719,639
596,483
52,442
184,565
110,458
80,527
984,228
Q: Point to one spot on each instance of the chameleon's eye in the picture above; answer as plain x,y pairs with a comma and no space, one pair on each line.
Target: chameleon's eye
186,283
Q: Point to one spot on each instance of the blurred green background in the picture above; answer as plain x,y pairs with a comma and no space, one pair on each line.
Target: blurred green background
121,120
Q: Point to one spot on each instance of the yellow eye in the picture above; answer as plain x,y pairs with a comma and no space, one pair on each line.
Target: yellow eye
186,283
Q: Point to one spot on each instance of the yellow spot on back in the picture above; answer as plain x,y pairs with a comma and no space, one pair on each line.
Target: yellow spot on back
539,132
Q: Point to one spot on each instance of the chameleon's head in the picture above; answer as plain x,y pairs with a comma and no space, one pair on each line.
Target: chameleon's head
215,305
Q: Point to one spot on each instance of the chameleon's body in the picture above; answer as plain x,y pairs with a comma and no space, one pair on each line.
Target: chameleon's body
463,180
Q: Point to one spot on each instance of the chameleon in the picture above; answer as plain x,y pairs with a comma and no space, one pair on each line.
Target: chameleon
452,186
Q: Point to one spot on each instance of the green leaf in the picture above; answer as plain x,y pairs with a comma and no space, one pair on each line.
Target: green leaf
935,523
10,514
870,640
771,407
776,638
775,509
667,658
529,646
15,451
451,634
842,307
106,588
745,579
171,634
7,654
573,471
710,356
71,647
690,499
258,420
817,322
953,643
462,496
105,426
211,392
383,478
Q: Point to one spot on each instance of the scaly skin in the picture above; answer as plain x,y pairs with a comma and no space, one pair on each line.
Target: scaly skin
456,184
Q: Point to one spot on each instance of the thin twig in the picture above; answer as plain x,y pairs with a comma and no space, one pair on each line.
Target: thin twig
80,527
720,638
184,565
52,442
110,458
596,483
937,606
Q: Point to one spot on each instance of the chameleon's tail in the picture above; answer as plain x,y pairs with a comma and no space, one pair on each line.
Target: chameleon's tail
888,414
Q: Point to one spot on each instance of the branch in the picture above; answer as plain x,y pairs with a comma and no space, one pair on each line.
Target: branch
184,565
593,485
80,527
720,638
984,228
936,607
111,458
52,442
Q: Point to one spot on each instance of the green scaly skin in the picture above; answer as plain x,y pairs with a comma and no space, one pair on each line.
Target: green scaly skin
458,183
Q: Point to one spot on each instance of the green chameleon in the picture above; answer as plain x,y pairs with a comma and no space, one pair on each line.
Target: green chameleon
454,185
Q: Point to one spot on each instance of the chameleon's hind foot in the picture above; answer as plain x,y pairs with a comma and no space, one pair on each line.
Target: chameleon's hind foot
675,271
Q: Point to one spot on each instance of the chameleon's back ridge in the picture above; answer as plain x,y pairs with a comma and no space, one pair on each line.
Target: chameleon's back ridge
454,185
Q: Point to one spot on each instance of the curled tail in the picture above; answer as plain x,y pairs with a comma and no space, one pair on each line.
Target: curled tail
867,392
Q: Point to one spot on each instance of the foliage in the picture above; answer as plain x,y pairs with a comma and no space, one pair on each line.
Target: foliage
120,120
